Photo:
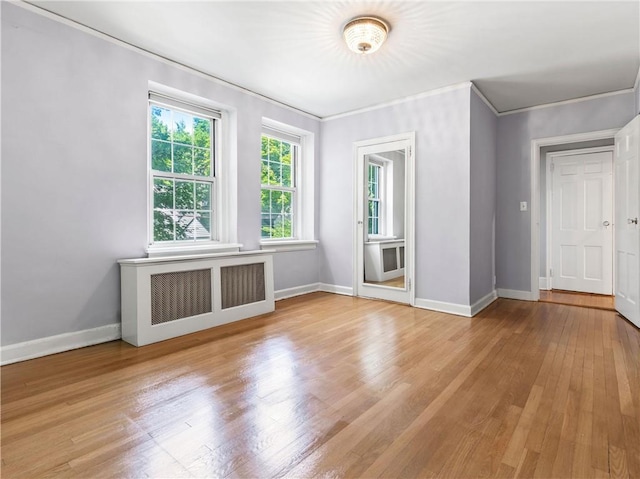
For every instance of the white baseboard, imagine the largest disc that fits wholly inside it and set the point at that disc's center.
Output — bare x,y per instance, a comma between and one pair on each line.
332,288
483,302
516,294
312,288
14,353
542,283
451,308
296,291
458,309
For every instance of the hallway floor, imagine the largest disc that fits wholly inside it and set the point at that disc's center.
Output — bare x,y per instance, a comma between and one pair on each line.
574,298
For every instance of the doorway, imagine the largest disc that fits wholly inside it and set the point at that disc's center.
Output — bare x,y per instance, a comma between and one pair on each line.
384,218
539,148
579,217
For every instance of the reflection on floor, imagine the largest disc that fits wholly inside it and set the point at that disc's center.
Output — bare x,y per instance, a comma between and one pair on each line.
394,283
574,298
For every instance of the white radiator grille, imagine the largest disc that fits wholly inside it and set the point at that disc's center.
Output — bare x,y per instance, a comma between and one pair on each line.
242,284
179,295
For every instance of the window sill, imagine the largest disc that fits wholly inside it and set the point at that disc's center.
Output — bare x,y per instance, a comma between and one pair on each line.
155,251
376,238
281,246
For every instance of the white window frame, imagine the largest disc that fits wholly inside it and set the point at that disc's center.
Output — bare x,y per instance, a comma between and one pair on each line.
295,182
377,199
385,197
224,166
303,204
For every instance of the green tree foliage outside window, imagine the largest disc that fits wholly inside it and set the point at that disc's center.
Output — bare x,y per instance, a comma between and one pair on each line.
278,187
181,163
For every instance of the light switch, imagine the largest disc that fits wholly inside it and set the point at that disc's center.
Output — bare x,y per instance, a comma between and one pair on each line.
523,206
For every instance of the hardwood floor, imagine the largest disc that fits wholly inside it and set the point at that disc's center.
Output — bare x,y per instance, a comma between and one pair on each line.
588,300
335,386
394,283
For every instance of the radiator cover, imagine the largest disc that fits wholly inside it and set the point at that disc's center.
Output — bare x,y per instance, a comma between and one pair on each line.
167,297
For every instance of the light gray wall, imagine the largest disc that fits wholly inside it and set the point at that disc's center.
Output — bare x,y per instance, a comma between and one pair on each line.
515,132
543,185
637,92
441,123
484,127
74,195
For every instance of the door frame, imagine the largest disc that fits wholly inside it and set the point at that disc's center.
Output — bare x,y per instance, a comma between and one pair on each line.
536,145
358,246
549,213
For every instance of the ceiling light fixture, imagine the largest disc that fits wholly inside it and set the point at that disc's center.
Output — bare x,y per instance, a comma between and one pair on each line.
365,34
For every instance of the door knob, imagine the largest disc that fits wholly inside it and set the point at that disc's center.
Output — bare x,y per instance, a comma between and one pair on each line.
605,223
632,221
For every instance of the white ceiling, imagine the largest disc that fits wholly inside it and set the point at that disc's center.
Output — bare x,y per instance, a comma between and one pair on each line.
519,54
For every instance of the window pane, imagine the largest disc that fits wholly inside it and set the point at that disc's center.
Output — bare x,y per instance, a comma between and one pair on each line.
203,196
162,193
160,155
265,148
184,195
182,128
274,150
189,225
162,225
275,175
265,196
266,226
184,225
286,176
202,162
269,175
282,226
182,159
283,199
204,228
276,226
286,153
202,132
160,123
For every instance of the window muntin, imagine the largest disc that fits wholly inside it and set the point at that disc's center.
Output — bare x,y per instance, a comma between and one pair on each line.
279,158
374,200
182,164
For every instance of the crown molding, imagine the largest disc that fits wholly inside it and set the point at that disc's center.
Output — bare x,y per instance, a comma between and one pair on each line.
437,91
484,99
567,102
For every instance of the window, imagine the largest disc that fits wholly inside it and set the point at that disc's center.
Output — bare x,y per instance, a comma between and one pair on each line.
381,197
183,171
287,191
374,220
279,195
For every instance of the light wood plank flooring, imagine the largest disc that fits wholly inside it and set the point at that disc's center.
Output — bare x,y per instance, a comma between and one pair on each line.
394,283
334,386
588,300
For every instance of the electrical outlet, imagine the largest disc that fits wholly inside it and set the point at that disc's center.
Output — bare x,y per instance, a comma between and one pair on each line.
523,206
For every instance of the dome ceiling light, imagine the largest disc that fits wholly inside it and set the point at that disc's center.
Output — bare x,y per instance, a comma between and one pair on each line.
365,34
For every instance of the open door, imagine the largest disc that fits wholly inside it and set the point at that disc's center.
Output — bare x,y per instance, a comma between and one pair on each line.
627,230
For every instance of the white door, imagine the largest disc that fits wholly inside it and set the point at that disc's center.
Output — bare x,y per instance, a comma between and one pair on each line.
627,254
581,227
